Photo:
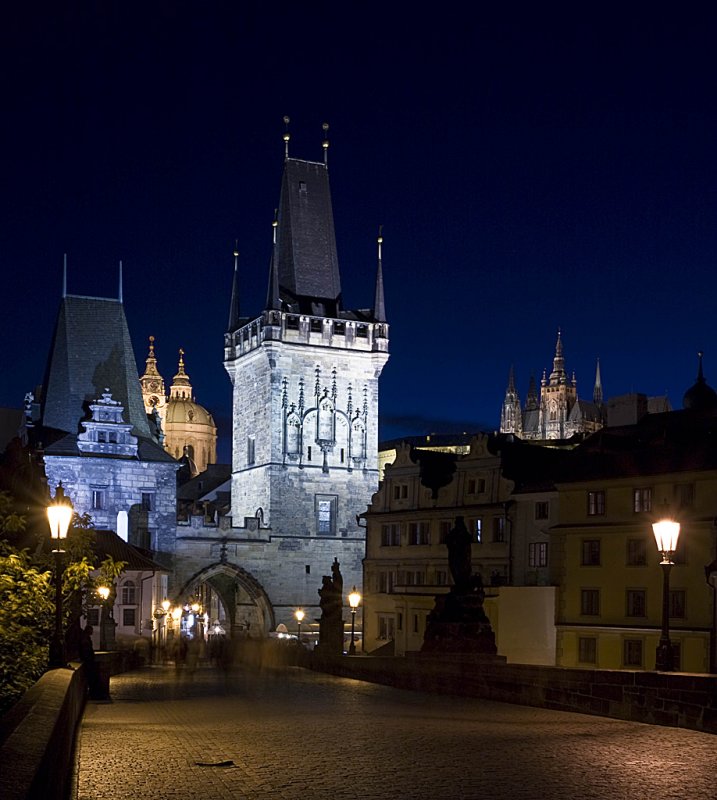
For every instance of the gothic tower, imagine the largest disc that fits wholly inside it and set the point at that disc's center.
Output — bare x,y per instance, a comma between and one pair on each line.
511,417
557,397
305,390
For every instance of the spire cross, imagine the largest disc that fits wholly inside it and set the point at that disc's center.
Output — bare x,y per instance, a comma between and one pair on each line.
287,137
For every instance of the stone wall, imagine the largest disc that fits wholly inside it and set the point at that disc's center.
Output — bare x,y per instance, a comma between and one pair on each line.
676,699
37,737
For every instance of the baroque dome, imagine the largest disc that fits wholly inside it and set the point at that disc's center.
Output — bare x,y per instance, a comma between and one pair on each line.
184,411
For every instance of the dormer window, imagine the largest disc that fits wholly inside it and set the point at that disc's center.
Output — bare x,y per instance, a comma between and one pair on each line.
302,189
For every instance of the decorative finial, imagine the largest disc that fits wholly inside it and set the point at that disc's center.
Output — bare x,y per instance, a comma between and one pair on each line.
275,225
325,143
236,250
380,240
181,359
151,346
287,136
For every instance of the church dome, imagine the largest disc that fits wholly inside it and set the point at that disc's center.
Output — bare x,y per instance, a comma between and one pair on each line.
185,411
700,397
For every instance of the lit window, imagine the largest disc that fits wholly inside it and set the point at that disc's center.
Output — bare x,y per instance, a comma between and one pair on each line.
325,515
498,529
641,500
538,554
596,503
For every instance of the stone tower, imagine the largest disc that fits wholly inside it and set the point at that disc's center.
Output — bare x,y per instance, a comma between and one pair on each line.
305,392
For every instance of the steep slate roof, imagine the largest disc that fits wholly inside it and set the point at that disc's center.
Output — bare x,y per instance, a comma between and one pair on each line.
108,543
91,350
308,265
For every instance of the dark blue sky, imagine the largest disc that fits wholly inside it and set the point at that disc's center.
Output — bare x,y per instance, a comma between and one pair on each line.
532,170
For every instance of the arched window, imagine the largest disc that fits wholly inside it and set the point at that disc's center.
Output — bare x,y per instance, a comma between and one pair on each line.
129,593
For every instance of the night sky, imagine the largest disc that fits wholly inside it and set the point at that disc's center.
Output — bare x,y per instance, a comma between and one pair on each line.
532,170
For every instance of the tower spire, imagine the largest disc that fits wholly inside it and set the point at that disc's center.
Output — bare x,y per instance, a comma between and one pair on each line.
287,137
558,373
273,300
325,143
64,276
379,304
119,297
234,312
597,391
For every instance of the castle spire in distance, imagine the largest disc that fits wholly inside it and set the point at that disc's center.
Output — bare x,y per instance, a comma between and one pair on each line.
379,303
597,391
234,312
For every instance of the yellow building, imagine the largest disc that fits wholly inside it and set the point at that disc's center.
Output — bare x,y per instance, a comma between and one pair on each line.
416,505
187,429
604,556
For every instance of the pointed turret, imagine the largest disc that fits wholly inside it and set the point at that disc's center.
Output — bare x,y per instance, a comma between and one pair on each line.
597,391
273,297
511,418
379,304
234,313
531,401
700,397
181,388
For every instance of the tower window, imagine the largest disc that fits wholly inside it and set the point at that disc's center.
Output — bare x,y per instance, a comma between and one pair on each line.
250,450
325,506
99,499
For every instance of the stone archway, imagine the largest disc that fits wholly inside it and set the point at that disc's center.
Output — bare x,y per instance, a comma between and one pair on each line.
244,599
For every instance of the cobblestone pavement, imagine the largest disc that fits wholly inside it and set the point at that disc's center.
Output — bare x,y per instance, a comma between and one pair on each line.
299,735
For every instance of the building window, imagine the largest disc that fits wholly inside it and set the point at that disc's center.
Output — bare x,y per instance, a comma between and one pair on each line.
251,450
680,555
542,510
685,495
636,603
386,626
590,602
129,617
498,529
326,515
587,650
632,653
441,577
415,623
390,535
143,538
399,621
386,580
400,491
596,503
93,617
147,501
101,437
636,552
418,533
590,553
444,528
677,656
475,485
677,603
99,499
129,593
641,500
538,554
476,529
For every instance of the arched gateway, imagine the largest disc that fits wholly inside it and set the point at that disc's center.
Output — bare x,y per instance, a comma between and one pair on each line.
232,596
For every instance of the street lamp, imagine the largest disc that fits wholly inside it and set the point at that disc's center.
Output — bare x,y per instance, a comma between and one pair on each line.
299,614
667,532
59,515
107,639
354,600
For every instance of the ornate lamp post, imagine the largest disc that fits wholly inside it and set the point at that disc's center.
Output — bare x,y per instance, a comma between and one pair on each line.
667,532
59,515
354,600
299,614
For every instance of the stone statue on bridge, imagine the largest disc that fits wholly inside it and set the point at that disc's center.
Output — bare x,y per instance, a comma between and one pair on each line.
331,622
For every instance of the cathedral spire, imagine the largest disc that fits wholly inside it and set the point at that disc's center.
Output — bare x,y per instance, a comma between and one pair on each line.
531,401
379,304
120,282
558,374
511,416
64,276
234,312
597,391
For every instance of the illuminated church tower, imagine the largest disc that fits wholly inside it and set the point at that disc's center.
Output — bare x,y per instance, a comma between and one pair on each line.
305,394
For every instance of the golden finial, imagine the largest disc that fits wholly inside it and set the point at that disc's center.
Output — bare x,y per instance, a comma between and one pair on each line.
151,346
287,136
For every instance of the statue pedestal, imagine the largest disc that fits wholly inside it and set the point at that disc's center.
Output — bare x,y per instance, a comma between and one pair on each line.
458,624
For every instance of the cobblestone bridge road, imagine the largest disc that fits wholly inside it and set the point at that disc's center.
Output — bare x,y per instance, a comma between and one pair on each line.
300,735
